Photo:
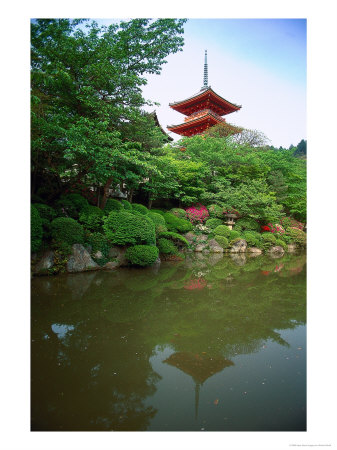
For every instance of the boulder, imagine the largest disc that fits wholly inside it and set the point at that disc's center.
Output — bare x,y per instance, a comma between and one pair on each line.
239,246
201,237
111,265
214,247
276,251
254,251
98,255
46,262
118,253
80,260
200,247
190,236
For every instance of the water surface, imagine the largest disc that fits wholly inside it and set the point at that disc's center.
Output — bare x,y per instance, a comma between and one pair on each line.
212,343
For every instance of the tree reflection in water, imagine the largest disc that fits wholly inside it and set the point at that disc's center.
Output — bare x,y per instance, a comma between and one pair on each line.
93,334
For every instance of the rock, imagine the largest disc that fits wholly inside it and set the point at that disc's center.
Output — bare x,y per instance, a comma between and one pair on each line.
111,265
80,260
200,247
98,255
276,252
118,253
254,251
46,262
214,247
190,236
292,248
201,237
239,246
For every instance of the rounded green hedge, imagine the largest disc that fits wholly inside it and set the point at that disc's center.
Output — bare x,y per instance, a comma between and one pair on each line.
175,237
158,211
247,223
222,241
179,212
46,212
140,208
213,223
142,255
282,244
297,236
233,235
36,230
126,228
66,229
215,211
252,238
222,230
166,247
176,224
127,205
92,218
112,205
156,218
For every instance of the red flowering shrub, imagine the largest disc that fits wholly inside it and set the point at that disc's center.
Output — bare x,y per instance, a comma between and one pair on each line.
275,229
197,214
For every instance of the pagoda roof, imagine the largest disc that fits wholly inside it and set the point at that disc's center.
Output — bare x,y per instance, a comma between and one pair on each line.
206,97
196,125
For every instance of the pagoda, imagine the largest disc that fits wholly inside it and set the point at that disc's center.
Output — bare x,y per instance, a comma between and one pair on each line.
203,110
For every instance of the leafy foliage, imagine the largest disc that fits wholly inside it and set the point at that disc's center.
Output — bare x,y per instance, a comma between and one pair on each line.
175,224
112,205
92,218
66,229
213,223
142,255
222,230
124,228
36,230
140,208
222,241
166,247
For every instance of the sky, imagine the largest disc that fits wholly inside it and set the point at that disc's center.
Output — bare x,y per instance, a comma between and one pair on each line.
259,64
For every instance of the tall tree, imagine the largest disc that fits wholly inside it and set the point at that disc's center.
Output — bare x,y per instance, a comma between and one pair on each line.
86,83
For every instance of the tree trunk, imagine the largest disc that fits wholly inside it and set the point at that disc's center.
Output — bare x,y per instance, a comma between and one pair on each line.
130,195
106,192
149,205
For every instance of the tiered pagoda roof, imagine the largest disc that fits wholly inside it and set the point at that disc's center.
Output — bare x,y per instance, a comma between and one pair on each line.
203,109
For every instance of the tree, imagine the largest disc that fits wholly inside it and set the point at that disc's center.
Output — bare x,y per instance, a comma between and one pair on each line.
86,86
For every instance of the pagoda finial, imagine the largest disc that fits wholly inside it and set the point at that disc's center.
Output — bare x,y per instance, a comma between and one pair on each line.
205,86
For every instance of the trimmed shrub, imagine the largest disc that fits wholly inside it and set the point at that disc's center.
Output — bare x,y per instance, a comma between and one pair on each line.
66,229
142,255
123,228
166,247
222,241
247,223
179,212
297,236
177,238
36,230
268,240
282,244
92,218
222,230
213,223
156,218
175,224
112,205
127,205
79,201
140,208
158,211
99,242
47,213
233,234
215,211
252,238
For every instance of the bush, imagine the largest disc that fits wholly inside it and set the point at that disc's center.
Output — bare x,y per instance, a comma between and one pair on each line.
215,211
158,211
66,229
142,255
247,223
92,218
79,201
177,238
213,223
175,224
233,234
112,205
222,241
282,244
197,214
297,236
47,213
36,230
140,208
125,228
127,205
159,222
99,242
222,230
268,240
252,238
179,212
166,247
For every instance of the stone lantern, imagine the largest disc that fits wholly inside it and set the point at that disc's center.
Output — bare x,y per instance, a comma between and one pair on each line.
230,220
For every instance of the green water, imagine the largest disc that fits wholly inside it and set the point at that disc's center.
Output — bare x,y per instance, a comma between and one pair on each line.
211,344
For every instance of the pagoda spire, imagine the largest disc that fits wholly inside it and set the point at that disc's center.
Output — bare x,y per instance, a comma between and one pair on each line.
205,86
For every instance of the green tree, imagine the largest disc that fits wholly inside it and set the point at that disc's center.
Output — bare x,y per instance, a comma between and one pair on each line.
86,84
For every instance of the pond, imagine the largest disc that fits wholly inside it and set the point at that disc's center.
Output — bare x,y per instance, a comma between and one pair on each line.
212,343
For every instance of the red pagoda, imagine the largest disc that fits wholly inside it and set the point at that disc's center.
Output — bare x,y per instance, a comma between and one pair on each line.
203,110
